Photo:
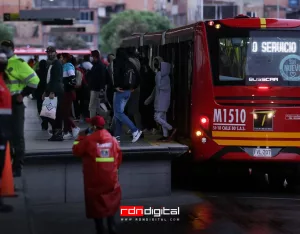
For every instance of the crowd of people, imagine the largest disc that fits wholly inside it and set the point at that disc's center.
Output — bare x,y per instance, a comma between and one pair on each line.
125,90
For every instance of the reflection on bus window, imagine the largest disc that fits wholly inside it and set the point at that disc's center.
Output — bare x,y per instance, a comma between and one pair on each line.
232,58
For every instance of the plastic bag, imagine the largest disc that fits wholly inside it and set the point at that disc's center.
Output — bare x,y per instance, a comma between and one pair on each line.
49,108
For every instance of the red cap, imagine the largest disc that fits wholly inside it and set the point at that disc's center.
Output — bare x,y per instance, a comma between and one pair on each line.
97,121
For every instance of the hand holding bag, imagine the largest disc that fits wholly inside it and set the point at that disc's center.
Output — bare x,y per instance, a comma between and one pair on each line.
49,108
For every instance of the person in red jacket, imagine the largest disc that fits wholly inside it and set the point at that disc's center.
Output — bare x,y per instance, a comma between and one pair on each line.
5,122
101,157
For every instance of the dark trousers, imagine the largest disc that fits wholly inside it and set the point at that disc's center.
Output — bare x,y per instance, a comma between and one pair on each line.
67,102
111,224
78,104
2,154
147,114
18,142
3,143
57,122
39,104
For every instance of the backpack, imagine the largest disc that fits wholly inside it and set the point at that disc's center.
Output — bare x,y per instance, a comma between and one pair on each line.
131,76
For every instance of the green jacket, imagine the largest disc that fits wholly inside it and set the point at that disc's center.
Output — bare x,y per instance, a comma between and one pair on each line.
20,75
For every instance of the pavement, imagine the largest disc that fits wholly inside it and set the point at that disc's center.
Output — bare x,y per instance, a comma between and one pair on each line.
204,213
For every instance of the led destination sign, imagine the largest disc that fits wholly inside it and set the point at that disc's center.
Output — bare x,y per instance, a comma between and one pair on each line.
274,47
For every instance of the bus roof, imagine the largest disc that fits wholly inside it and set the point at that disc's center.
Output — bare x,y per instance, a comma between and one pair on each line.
132,41
154,38
38,51
242,21
186,33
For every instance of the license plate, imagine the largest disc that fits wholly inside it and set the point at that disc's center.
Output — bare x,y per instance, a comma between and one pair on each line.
266,153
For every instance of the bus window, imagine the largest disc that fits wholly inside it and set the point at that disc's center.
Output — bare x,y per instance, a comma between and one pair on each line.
254,57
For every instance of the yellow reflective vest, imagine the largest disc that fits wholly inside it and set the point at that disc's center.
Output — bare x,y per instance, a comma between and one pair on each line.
20,75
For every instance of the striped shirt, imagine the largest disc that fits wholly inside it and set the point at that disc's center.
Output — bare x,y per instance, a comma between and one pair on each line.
69,70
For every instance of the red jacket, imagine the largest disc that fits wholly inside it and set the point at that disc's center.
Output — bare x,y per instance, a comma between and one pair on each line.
5,110
101,157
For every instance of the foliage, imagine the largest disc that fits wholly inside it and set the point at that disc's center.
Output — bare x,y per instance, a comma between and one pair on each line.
128,22
70,41
6,33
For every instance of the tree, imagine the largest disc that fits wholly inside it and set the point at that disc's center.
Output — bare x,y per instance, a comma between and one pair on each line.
70,41
6,33
128,22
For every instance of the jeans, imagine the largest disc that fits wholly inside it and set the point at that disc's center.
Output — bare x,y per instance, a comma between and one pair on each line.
120,101
161,118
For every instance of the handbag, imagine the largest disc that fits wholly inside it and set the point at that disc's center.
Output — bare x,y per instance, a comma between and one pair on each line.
49,108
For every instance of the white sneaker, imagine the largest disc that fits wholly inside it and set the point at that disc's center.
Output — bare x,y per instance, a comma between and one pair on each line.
136,135
68,136
50,132
75,132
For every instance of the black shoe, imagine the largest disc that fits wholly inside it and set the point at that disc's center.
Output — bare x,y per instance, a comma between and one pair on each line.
6,208
163,139
56,138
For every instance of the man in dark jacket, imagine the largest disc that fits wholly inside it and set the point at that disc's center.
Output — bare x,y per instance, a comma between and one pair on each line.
55,89
97,78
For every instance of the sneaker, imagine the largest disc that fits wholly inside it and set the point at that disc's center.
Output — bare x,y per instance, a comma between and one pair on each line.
68,136
118,139
136,136
56,138
50,132
75,132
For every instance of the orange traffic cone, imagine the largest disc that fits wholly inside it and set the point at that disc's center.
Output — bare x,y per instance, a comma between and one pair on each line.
7,180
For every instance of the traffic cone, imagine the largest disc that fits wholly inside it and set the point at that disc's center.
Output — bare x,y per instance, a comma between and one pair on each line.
7,180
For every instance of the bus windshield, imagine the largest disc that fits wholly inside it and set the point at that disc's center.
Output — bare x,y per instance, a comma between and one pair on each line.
256,57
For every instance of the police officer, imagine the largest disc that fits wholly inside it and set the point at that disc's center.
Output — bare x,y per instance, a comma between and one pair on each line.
22,81
5,122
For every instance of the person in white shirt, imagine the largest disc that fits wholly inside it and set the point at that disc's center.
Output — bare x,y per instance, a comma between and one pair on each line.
87,65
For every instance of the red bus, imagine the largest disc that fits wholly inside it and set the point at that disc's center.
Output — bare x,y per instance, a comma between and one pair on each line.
235,90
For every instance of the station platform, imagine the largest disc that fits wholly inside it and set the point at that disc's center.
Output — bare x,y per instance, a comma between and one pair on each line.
37,143
145,170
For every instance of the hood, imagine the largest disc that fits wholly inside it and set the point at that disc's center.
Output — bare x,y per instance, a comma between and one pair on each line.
165,68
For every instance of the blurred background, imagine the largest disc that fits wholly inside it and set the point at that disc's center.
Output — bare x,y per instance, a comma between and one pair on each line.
94,27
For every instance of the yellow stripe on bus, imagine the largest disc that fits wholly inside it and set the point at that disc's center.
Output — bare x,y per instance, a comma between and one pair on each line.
263,23
256,134
258,143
